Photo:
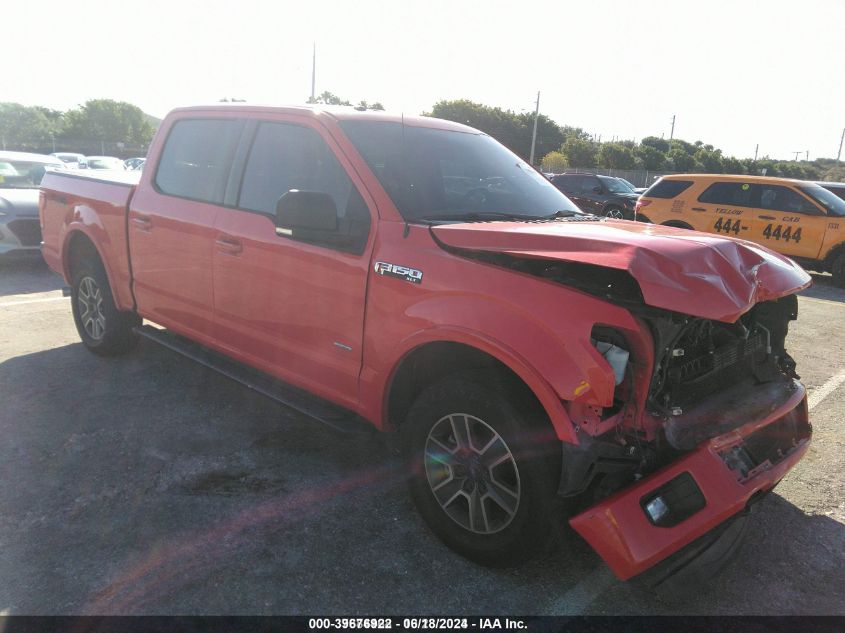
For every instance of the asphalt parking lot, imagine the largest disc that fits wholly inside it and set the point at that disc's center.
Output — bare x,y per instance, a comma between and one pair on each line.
150,485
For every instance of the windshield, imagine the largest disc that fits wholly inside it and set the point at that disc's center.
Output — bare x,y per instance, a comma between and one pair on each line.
832,203
440,174
23,174
614,185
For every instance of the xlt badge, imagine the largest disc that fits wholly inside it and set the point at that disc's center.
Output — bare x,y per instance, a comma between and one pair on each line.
402,272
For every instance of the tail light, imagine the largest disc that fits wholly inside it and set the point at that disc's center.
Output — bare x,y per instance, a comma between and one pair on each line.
640,204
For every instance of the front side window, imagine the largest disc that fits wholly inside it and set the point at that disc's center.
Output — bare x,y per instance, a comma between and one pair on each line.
732,194
197,157
615,185
433,174
835,205
589,184
285,157
776,198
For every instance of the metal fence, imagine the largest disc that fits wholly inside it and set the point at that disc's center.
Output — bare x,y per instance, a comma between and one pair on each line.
637,177
88,147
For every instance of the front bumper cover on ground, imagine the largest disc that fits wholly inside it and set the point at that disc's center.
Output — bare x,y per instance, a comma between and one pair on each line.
619,529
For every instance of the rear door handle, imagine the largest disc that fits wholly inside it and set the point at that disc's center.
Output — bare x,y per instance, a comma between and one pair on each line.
142,222
699,209
229,244
766,217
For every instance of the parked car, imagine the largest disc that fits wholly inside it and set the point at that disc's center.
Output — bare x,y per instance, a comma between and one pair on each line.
537,364
836,187
71,160
134,163
796,218
630,185
601,195
20,176
104,162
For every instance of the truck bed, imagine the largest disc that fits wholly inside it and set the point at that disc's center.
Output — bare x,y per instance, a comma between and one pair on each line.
96,204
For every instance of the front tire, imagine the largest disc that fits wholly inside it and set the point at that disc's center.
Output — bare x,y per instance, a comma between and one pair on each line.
103,328
483,471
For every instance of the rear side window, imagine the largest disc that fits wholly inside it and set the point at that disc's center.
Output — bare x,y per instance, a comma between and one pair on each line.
197,157
736,194
667,188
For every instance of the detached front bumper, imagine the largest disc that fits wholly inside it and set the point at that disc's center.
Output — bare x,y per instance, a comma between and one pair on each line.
703,489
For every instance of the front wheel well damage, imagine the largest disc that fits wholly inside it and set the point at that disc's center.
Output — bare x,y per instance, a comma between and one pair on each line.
432,362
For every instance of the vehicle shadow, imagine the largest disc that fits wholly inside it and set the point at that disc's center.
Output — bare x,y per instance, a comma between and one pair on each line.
27,276
823,288
151,485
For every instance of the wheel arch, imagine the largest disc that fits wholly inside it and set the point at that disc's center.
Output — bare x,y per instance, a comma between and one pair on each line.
423,365
80,245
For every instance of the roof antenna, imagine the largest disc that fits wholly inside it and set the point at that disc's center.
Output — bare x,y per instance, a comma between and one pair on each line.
403,172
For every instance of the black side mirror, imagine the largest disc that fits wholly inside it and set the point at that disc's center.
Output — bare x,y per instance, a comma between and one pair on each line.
597,189
305,212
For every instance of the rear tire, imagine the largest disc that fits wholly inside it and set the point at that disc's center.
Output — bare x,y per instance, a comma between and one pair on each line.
483,471
103,328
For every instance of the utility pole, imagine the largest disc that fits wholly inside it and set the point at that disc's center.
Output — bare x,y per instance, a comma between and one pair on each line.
837,155
797,154
807,154
313,72
756,149
672,133
534,133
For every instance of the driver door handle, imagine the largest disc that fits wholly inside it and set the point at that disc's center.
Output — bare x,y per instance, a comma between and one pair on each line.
142,222
229,244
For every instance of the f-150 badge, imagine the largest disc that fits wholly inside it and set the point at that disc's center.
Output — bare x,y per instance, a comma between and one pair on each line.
402,272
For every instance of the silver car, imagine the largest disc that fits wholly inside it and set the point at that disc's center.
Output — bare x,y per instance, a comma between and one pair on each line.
20,176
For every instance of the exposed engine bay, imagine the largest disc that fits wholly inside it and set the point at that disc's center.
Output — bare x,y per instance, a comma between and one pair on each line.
709,377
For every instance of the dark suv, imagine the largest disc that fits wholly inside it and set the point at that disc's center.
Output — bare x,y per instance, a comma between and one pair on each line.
601,195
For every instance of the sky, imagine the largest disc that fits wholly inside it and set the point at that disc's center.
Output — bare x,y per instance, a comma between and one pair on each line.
734,74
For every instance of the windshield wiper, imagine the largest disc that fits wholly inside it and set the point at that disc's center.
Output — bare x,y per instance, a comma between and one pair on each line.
478,216
563,214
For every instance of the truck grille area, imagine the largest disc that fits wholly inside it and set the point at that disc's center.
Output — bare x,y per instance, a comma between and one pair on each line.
768,446
28,232
699,358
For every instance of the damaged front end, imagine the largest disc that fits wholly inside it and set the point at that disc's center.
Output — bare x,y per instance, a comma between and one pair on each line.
704,413
723,420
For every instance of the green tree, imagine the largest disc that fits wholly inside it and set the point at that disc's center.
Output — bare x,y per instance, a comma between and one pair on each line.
554,162
651,157
579,152
710,159
108,121
731,165
329,98
616,156
680,160
661,145
28,128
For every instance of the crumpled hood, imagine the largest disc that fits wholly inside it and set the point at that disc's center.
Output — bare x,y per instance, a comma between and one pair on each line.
22,202
685,271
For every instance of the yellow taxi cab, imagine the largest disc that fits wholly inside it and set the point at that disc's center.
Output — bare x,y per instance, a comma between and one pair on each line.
796,218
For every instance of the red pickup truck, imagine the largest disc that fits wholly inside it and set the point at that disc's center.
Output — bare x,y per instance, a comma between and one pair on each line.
538,364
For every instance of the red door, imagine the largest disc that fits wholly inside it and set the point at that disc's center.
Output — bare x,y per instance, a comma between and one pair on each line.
293,308
171,225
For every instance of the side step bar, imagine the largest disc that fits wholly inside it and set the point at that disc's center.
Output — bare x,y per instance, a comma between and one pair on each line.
330,414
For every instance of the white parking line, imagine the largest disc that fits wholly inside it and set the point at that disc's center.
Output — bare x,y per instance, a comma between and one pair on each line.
820,393
26,301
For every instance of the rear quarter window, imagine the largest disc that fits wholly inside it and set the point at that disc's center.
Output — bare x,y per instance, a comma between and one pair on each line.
667,188
196,158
